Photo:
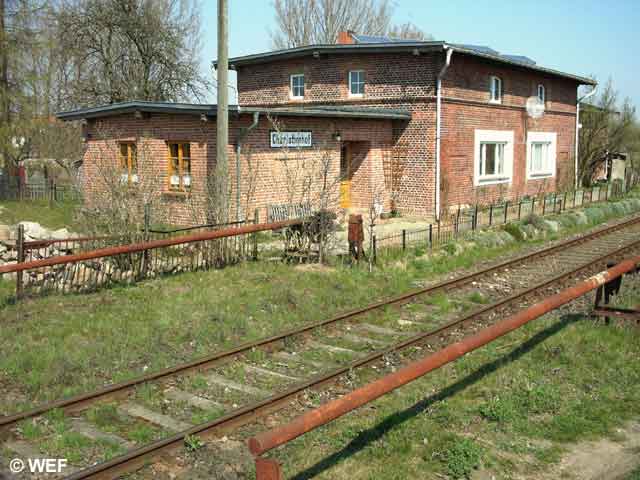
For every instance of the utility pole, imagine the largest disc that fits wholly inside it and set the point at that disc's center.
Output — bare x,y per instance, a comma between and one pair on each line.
4,65
222,120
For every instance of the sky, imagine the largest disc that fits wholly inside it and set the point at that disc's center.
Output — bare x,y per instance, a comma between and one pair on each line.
589,38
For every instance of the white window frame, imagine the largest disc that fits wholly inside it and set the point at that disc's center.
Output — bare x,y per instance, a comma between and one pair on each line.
291,88
493,136
541,93
551,139
361,82
493,80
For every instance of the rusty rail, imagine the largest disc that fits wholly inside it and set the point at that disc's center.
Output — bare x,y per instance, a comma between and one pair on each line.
143,246
269,469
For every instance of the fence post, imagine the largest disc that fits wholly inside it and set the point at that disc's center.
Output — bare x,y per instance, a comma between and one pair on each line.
506,210
490,214
519,210
256,220
51,193
475,218
374,244
564,201
20,259
404,239
431,236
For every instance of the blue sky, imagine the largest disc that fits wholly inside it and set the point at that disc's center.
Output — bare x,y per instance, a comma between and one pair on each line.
582,37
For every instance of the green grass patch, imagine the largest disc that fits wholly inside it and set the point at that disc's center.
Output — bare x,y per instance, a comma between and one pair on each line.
52,216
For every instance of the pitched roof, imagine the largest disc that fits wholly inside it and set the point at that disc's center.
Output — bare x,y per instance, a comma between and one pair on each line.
210,110
381,44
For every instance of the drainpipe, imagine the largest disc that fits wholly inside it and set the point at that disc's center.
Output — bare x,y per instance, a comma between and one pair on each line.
584,97
448,52
242,135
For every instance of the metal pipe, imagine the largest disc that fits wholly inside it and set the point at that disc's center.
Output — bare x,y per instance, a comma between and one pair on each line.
577,141
265,441
139,247
241,136
449,52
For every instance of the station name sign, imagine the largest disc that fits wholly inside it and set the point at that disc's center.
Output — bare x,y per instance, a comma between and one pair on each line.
290,139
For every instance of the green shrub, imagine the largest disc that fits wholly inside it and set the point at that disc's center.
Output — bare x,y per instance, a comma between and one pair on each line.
462,457
534,219
498,410
514,230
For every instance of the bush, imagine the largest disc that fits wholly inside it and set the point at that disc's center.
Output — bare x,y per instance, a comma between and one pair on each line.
462,457
514,230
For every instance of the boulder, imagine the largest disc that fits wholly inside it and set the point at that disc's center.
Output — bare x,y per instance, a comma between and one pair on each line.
35,231
581,218
551,226
5,233
60,234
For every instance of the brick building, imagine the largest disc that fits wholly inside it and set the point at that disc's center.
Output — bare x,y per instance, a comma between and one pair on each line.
424,126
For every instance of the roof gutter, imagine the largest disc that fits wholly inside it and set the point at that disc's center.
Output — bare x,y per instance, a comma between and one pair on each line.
448,53
578,126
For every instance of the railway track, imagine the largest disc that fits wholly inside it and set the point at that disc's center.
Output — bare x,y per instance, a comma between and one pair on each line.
221,392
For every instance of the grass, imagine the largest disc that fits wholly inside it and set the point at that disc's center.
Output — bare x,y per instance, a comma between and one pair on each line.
60,215
510,408
60,345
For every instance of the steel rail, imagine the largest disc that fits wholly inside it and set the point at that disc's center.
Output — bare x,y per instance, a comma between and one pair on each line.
137,457
79,400
151,245
312,419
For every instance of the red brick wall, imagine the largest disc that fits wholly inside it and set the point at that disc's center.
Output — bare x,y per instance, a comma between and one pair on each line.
398,80
407,81
466,108
268,175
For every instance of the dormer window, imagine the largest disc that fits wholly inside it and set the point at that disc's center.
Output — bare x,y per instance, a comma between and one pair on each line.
495,89
356,83
542,94
297,86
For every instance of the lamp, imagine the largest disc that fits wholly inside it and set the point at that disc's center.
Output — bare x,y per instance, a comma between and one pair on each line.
337,137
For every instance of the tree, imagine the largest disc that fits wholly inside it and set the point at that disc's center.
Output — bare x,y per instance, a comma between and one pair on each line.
605,129
408,31
118,50
307,22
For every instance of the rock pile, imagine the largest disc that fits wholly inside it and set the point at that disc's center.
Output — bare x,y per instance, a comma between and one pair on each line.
32,232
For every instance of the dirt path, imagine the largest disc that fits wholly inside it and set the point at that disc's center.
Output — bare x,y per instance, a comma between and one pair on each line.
602,459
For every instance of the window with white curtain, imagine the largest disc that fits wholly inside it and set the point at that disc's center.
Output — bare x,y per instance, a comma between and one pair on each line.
541,154
495,89
493,157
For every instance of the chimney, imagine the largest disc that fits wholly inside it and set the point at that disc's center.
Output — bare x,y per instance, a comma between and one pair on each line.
346,37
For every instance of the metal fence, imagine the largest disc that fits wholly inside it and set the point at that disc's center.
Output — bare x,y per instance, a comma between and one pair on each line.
464,222
29,192
86,269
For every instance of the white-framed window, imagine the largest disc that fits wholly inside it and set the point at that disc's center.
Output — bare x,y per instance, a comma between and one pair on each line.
297,85
541,154
495,89
493,157
356,83
542,93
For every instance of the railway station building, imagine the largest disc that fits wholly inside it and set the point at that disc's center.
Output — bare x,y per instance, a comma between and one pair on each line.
422,127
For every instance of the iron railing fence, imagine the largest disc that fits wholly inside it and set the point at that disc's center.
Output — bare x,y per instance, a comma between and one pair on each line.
30,192
85,270
465,221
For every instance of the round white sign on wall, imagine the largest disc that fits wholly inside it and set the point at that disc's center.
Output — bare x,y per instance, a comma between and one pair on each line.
535,107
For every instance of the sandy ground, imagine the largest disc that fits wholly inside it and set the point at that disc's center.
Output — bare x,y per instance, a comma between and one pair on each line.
603,459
